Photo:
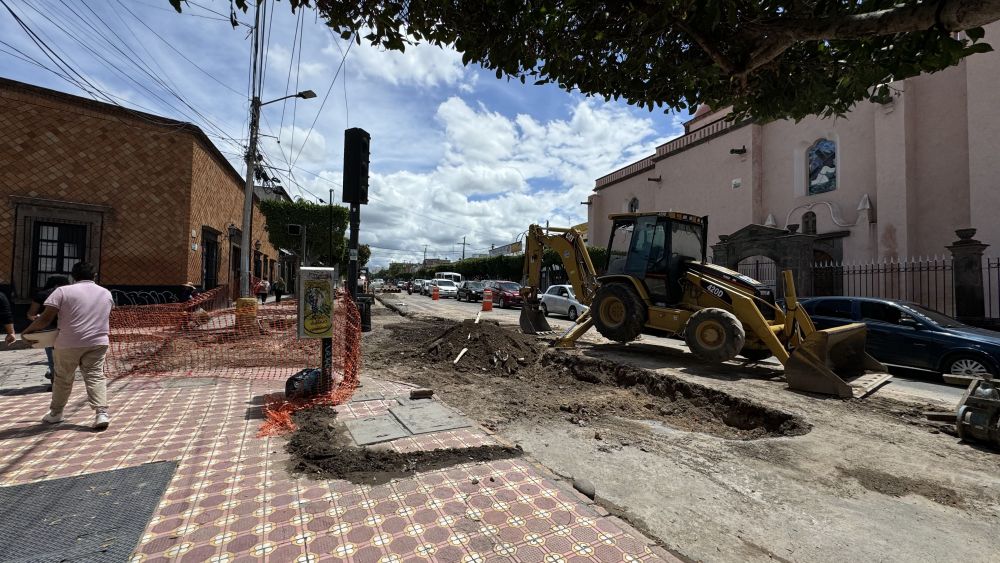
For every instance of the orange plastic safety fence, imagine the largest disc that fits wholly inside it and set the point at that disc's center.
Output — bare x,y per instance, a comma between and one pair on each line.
204,337
346,369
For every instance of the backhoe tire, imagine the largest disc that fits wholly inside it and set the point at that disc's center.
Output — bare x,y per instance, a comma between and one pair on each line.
755,354
715,335
618,312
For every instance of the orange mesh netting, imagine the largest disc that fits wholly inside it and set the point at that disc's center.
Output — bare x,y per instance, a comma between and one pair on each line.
204,337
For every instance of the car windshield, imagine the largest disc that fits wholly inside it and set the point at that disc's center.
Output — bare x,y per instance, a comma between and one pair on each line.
474,285
934,316
445,283
509,286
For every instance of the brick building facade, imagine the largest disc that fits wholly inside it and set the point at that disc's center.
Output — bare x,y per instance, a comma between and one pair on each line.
149,200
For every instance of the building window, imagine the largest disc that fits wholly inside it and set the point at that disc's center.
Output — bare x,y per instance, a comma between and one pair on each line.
822,161
809,223
633,205
57,248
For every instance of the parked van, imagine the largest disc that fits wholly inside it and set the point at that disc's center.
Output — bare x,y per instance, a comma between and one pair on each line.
457,278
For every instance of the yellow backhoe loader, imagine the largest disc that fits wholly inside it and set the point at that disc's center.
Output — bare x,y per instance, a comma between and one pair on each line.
657,280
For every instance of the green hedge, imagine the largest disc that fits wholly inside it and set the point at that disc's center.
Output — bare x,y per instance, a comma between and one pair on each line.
505,267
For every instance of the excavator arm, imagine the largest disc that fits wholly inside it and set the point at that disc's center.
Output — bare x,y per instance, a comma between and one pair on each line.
569,245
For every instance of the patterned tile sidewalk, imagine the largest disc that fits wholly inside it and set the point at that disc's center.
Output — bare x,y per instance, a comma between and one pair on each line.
231,498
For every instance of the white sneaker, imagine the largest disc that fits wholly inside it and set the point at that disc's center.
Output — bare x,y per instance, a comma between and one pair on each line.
52,418
101,421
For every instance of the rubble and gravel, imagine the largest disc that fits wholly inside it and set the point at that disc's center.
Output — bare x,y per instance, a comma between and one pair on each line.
824,480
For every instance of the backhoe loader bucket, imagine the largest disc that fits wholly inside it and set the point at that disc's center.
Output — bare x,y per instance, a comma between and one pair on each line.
532,320
827,359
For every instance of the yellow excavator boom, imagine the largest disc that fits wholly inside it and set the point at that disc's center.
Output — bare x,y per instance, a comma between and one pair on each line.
572,251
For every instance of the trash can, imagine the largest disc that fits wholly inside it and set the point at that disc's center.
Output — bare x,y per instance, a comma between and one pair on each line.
364,303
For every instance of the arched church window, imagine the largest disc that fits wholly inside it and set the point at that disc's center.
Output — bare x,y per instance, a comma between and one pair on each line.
822,166
809,223
633,205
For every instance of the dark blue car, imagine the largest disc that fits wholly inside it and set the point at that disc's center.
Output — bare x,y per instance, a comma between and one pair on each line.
907,334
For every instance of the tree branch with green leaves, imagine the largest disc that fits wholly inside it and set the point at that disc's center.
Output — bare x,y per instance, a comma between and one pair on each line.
767,59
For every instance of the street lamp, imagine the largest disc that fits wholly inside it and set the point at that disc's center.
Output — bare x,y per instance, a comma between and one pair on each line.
255,105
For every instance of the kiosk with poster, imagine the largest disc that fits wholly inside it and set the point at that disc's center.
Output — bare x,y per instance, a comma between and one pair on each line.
317,299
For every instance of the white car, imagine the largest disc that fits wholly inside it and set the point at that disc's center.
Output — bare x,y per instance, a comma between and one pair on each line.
561,300
446,288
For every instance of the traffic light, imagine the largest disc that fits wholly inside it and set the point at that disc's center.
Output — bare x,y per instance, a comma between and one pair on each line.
356,153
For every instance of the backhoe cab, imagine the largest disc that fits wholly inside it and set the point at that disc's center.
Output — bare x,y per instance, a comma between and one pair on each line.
657,279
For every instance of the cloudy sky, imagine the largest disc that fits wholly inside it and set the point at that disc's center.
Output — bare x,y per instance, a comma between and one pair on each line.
455,151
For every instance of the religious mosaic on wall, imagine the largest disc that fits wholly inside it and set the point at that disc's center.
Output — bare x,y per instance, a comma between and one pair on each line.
822,158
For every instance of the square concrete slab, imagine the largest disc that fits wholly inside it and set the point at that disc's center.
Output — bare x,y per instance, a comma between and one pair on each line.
367,396
406,401
375,429
430,416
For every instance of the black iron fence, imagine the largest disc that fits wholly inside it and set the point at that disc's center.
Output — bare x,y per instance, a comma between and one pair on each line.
991,287
928,282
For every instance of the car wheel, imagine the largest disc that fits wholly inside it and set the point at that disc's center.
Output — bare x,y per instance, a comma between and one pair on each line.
503,303
968,366
572,313
545,310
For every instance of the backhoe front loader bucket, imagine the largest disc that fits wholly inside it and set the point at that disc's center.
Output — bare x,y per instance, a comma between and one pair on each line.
532,320
827,358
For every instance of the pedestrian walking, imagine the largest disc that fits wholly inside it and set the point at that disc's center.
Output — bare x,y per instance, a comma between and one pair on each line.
84,311
36,307
263,288
279,289
7,320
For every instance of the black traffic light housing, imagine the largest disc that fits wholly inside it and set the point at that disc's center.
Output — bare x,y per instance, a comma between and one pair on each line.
356,153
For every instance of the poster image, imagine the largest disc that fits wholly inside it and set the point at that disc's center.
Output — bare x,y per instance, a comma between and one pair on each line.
316,304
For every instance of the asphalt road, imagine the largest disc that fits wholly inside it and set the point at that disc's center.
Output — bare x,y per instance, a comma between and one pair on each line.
913,384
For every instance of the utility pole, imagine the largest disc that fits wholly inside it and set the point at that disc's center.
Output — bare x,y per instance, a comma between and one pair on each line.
251,158
424,263
463,248
330,246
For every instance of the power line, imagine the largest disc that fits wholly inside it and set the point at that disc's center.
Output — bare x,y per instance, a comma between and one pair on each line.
143,68
174,49
327,95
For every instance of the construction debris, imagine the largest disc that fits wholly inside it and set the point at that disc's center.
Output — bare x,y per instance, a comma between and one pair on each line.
483,347
421,393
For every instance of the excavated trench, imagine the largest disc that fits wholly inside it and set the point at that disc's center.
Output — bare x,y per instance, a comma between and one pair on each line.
678,403
556,385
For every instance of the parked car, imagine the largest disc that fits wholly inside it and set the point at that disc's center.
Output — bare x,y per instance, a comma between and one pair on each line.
561,300
446,288
506,293
470,291
907,334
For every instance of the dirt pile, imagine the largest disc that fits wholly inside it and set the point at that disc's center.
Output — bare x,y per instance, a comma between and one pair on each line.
321,449
488,348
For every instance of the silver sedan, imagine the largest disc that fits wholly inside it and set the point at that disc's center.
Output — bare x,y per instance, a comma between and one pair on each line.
560,300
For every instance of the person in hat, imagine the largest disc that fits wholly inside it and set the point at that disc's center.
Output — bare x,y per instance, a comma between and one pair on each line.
188,291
